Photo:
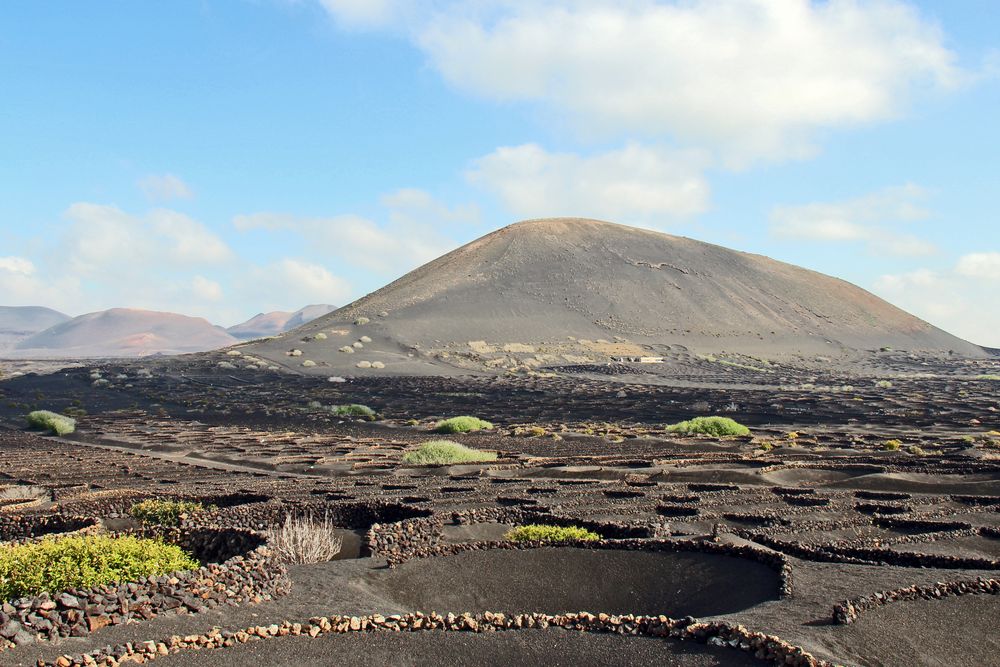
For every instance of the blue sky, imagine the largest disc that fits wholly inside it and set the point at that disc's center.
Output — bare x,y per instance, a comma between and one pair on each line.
231,157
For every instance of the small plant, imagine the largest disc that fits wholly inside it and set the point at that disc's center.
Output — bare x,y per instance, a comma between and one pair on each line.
352,410
545,533
462,425
765,446
52,422
320,336
305,540
918,451
308,363
347,349
361,321
444,452
155,512
717,426
989,376
892,445
57,564
883,384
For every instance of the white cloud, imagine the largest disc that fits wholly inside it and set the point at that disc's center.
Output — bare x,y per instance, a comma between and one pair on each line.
365,13
294,281
872,219
102,237
18,265
985,265
752,78
415,206
164,187
268,221
633,184
188,240
952,299
206,290
411,236
22,285
104,257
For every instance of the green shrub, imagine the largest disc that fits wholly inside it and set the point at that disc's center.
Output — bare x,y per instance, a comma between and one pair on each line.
52,422
544,533
989,376
445,452
56,564
717,426
164,512
352,410
892,445
462,425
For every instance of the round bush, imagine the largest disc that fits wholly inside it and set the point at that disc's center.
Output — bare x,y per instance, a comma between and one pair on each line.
462,425
52,422
544,533
53,565
717,426
164,512
352,410
441,452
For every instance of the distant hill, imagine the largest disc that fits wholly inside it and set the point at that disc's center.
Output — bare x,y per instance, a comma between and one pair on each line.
278,321
570,290
20,322
124,332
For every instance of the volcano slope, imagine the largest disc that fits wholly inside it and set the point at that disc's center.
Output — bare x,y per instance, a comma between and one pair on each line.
570,291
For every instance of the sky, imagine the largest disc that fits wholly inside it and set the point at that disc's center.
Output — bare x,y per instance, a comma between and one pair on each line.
222,158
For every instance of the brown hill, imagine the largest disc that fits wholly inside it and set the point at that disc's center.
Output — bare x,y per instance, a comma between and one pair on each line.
124,332
19,322
278,321
571,289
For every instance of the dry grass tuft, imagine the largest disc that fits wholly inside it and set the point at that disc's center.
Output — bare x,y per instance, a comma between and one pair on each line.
304,539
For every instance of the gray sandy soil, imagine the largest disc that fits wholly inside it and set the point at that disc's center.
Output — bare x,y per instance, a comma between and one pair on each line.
556,580
548,648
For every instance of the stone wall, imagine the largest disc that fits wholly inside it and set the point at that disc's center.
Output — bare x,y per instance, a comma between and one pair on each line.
20,527
715,633
832,553
849,610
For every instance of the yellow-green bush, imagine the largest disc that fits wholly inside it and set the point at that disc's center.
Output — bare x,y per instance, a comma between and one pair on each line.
717,426
56,564
52,422
352,410
462,425
543,533
164,512
439,452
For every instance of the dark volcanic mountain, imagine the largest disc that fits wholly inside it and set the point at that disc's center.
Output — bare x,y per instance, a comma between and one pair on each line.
124,332
19,322
570,290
